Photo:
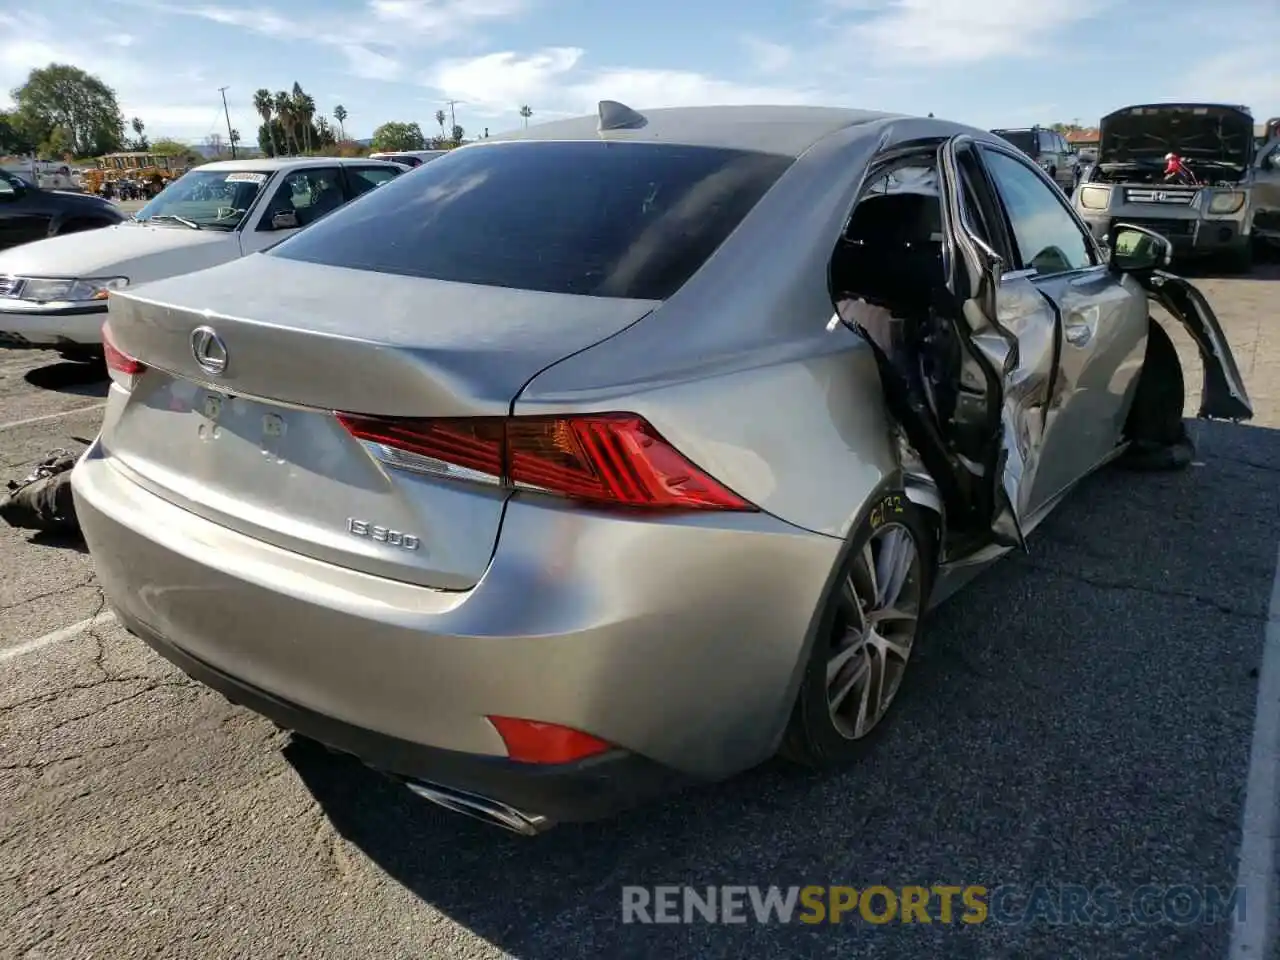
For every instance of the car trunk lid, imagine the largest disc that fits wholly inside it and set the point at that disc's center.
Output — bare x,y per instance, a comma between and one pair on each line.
255,446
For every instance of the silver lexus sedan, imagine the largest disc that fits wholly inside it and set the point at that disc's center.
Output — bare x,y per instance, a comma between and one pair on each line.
624,452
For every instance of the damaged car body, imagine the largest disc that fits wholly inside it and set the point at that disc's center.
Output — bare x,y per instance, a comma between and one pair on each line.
984,378
1231,206
690,416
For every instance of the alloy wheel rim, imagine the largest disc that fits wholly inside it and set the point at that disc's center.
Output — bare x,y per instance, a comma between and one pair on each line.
878,615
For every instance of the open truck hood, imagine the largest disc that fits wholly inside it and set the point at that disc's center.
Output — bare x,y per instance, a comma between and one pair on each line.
1199,131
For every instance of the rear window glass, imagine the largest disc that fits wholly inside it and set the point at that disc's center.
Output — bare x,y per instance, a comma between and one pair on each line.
630,220
1022,139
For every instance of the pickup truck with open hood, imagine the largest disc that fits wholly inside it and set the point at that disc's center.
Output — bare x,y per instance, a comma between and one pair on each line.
1233,203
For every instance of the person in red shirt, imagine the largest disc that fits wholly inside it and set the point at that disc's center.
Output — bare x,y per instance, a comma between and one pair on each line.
1176,169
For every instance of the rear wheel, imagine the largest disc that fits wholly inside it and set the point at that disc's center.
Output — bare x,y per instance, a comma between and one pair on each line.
866,637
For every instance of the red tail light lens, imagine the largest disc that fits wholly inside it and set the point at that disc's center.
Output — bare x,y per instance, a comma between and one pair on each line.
613,458
532,742
117,359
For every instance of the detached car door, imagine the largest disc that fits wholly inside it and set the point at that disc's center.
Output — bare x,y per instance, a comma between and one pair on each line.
1100,320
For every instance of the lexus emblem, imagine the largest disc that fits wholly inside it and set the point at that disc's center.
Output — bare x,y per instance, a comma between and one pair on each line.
209,350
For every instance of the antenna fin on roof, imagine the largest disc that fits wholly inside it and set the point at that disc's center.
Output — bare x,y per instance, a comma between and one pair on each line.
618,116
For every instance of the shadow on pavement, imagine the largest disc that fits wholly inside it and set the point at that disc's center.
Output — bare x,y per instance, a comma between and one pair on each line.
1084,717
82,379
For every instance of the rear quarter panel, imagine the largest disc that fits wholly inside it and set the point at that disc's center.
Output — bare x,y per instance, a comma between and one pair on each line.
739,369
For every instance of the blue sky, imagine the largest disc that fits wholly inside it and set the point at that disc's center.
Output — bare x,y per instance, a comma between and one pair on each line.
985,62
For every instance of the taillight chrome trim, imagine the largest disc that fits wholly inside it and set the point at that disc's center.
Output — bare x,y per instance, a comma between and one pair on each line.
427,466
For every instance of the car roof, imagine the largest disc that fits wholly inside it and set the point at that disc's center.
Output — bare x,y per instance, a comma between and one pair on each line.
1172,105
285,163
786,130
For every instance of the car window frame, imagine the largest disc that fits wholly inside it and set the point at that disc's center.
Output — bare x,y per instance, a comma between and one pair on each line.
1091,245
17,189
265,196
976,181
352,170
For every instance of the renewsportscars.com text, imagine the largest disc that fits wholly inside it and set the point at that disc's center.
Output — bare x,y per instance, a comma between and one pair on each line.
939,903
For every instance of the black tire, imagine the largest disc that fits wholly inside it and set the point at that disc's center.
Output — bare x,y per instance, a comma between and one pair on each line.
1241,260
1157,434
812,737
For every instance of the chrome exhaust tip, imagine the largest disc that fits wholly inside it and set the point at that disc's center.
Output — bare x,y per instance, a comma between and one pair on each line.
472,805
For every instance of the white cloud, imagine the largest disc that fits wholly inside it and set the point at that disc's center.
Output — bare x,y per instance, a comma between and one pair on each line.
958,32
554,82
767,56
374,46
28,42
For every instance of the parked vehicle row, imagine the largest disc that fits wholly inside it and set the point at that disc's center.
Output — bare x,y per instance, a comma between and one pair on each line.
622,452
29,212
1230,204
53,294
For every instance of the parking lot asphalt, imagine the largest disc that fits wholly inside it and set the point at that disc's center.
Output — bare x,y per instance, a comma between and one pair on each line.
1082,717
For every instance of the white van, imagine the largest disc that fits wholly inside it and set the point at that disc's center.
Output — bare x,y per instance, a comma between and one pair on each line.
53,292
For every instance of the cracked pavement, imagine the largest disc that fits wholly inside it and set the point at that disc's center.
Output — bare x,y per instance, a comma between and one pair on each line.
1082,715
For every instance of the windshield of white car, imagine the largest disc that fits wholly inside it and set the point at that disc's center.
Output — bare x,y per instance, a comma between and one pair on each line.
205,199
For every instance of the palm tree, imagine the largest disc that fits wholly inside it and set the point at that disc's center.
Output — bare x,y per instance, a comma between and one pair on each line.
440,120
266,106
307,112
300,117
284,113
340,114
526,113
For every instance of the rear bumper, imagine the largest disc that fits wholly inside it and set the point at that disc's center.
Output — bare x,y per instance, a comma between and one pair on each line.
63,329
588,790
679,642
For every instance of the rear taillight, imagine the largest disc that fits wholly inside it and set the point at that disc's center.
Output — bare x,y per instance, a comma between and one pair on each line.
611,458
122,367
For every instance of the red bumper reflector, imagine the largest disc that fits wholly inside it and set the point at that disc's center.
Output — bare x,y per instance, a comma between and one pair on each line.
530,741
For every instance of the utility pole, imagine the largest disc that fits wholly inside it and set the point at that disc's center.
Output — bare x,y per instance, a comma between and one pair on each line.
453,120
227,113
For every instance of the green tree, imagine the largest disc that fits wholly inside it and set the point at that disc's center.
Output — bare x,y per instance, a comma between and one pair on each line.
84,107
14,137
457,134
139,141
165,147
265,105
526,112
440,120
56,146
284,116
340,114
394,135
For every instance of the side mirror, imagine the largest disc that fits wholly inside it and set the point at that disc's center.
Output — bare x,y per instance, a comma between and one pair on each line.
285,220
1137,249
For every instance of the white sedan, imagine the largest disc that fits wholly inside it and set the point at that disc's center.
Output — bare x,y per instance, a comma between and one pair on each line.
53,292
